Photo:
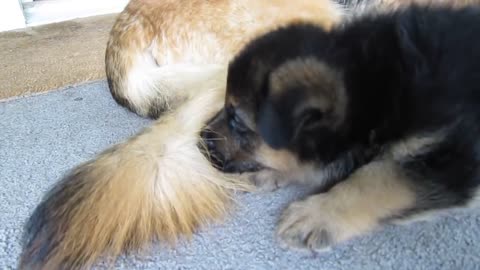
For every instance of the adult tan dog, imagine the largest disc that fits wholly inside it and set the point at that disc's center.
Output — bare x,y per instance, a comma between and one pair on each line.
164,58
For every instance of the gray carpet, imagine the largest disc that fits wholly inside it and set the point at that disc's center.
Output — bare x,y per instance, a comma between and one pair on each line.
43,136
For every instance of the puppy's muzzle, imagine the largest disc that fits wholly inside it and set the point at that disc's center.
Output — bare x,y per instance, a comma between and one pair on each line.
223,161
210,150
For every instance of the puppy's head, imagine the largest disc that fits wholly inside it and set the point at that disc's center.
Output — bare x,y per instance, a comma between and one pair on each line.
284,105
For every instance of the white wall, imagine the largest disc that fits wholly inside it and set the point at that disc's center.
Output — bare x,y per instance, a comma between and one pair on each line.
49,11
11,15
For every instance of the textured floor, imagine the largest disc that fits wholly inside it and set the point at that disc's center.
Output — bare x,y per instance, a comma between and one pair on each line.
44,135
45,57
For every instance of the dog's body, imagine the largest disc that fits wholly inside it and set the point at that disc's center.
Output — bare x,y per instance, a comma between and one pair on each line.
158,46
164,58
382,113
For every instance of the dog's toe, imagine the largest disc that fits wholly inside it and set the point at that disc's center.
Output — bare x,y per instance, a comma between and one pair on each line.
300,228
266,180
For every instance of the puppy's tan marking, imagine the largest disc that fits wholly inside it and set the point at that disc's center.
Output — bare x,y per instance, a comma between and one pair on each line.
283,168
267,180
376,191
414,145
281,160
323,84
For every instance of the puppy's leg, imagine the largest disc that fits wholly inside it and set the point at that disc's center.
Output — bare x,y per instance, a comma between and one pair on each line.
419,176
306,175
268,180
281,168
374,193
291,171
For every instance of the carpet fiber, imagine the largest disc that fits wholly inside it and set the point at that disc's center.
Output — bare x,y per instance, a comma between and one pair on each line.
43,136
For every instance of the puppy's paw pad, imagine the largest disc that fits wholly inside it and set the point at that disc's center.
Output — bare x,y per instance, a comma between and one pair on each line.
303,228
266,180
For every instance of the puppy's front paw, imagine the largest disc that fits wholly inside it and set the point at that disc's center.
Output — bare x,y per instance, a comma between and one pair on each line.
302,226
266,180
318,223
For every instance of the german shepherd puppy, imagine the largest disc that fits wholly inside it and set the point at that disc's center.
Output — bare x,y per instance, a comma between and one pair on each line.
382,114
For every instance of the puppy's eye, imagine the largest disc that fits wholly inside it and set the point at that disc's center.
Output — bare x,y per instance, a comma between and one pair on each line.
236,124
230,110
311,119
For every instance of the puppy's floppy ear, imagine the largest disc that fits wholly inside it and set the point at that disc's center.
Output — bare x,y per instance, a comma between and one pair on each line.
410,51
281,121
302,96
272,126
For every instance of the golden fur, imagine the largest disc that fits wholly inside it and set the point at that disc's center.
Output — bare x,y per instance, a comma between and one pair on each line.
156,45
156,185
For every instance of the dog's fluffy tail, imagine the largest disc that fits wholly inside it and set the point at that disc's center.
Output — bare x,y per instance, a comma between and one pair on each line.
156,185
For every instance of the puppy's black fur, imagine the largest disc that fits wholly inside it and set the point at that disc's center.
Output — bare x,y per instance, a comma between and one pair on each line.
400,90
407,73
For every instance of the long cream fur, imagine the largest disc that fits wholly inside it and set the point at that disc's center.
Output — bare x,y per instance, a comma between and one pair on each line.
156,185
